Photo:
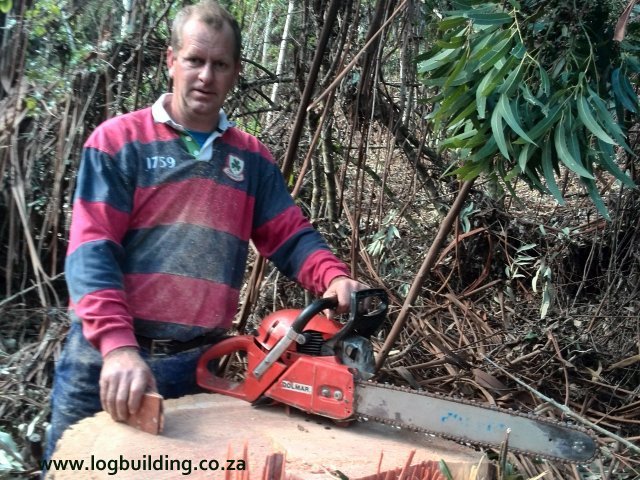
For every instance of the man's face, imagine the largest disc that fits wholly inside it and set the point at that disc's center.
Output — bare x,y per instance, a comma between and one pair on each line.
203,72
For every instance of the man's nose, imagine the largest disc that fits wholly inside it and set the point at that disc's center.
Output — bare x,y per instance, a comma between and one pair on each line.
206,73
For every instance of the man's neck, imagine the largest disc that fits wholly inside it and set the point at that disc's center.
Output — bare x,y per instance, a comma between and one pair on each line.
206,125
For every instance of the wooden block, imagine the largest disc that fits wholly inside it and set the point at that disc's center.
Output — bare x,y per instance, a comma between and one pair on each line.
150,416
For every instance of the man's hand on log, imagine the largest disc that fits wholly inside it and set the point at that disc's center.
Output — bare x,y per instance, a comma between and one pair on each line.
124,379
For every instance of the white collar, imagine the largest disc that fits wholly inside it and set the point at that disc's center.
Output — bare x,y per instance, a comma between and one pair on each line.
160,115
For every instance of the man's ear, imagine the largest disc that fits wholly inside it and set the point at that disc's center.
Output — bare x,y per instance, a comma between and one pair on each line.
170,61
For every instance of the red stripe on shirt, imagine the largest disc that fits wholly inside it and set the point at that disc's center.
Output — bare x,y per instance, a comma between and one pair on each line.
239,139
106,321
319,269
95,221
287,223
139,127
170,298
194,201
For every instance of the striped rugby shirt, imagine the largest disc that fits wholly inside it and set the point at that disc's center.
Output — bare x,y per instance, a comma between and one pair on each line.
161,227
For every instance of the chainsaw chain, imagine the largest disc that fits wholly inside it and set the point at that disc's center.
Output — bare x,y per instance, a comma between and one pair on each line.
465,440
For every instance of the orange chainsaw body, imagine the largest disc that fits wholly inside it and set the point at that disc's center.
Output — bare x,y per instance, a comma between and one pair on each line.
318,383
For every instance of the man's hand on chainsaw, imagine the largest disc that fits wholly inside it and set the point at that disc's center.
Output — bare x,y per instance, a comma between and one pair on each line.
341,288
124,379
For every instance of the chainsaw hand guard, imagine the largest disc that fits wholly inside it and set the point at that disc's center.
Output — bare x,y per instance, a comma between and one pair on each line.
250,389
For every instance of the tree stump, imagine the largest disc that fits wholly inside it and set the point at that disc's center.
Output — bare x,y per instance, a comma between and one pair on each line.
218,437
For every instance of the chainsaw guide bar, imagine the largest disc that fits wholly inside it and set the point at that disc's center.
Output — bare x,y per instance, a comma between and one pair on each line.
473,423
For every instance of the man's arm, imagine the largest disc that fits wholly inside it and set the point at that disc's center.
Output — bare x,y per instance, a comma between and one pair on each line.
282,234
100,218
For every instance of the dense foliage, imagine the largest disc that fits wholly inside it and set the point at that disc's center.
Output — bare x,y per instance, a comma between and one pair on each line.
526,86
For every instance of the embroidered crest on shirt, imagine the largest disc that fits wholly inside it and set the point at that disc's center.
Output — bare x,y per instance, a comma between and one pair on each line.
234,168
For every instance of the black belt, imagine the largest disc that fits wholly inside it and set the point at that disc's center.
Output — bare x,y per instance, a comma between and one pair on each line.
164,347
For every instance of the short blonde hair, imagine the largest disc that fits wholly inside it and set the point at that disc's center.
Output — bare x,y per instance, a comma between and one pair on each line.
211,13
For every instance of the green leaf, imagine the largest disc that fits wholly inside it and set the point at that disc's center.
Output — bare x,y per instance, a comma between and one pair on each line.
513,80
611,126
507,113
451,22
471,170
545,83
596,198
497,52
564,154
463,77
586,116
483,42
547,171
463,115
607,154
524,156
437,60
532,175
452,43
498,132
488,150
481,97
621,91
5,6
529,97
458,101
457,141
459,66
489,18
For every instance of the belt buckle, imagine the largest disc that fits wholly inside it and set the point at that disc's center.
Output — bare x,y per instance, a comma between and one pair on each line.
160,347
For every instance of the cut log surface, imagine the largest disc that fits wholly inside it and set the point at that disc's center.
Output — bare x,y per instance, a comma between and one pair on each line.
233,440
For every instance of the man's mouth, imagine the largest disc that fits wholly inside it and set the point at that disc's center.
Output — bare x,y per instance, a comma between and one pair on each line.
203,93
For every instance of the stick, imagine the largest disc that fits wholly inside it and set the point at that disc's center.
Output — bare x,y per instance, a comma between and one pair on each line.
32,287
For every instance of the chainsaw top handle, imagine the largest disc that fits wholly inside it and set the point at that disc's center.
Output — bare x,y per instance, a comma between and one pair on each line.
367,313
358,322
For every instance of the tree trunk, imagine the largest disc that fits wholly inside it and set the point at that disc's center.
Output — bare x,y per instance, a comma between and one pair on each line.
218,428
283,49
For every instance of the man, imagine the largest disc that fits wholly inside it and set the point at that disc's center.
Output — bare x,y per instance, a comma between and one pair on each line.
167,200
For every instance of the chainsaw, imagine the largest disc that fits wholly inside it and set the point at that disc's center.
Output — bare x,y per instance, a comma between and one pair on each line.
305,360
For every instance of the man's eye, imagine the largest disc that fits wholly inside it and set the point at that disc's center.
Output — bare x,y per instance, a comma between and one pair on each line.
193,61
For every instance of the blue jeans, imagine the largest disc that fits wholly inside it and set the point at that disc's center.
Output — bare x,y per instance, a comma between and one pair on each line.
76,390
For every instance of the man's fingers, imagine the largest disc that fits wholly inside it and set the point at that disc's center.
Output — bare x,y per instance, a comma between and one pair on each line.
121,399
104,395
136,392
124,379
